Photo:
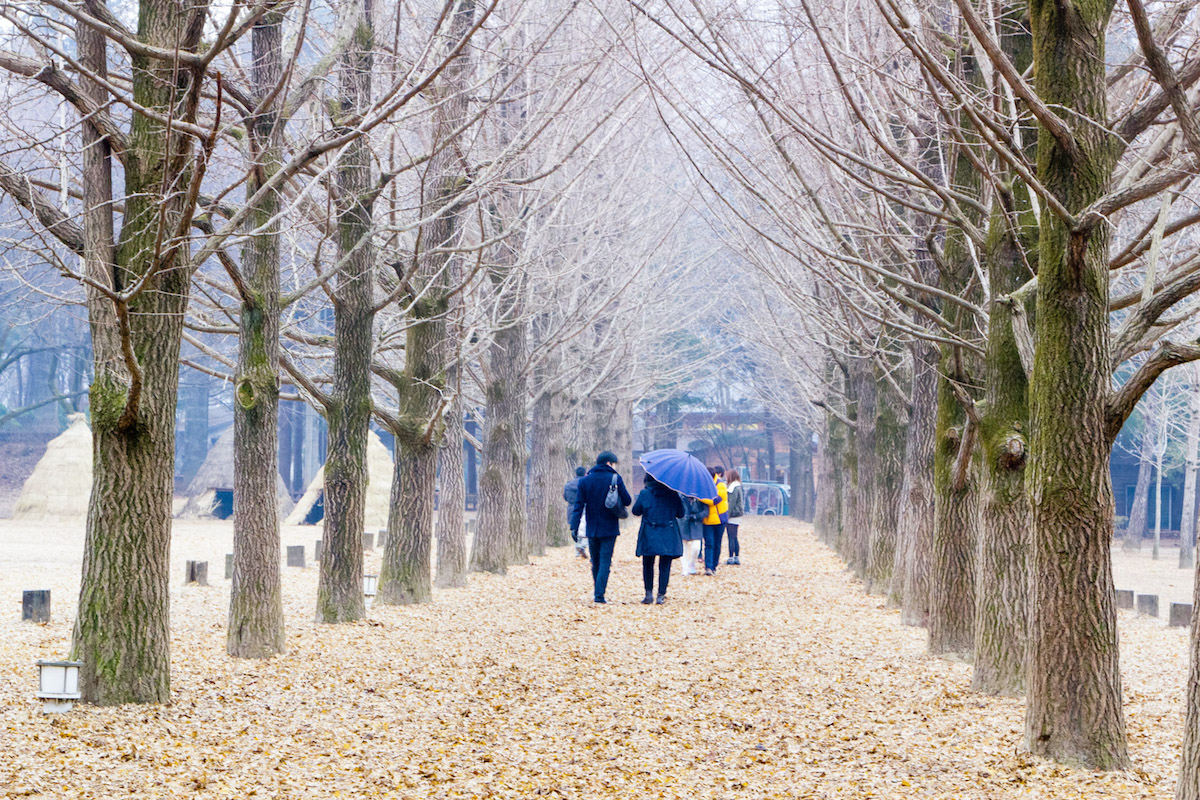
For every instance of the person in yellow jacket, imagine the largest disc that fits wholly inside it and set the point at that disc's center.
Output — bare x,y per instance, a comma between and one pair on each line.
714,523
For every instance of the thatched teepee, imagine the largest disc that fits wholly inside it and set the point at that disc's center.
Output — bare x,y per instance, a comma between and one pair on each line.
61,483
210,494
310,509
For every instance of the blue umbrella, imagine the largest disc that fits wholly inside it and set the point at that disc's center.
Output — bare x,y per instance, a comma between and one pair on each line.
680,471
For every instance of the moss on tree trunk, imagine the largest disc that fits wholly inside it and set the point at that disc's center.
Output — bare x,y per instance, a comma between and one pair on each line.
121,626
256,601
1073,711
348,409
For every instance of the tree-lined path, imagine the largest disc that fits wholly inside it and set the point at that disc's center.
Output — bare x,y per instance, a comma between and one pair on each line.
779,678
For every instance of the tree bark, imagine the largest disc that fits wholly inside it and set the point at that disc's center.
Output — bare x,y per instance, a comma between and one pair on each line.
1160,449
891,422
831,485
1139,516
256,601
800,473
1002,595
915,527
348,408
865,467
547,523
1187,526
1073,710
451,569
952,566
496,540
121,628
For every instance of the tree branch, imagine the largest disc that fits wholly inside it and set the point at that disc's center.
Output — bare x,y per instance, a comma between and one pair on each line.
1122,402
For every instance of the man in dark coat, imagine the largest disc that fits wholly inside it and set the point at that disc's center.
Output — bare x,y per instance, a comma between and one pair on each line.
570,494
603,526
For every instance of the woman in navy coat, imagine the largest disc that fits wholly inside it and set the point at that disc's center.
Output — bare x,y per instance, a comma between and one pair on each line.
658,535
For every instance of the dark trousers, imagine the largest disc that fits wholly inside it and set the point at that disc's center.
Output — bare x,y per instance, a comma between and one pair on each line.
602,552
712,545
664,573
734,549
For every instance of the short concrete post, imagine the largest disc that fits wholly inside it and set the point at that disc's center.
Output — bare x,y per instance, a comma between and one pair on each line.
368,541
1125,598
35,605
197,572
317,551
1181,615
1147,605
295,555
229,566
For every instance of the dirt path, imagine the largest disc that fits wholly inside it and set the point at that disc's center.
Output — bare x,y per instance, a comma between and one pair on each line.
778,678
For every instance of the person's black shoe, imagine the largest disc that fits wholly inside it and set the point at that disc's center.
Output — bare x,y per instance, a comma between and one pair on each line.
662,599
600,600
648,599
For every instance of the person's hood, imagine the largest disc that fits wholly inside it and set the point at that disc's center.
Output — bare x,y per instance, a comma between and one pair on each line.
734,485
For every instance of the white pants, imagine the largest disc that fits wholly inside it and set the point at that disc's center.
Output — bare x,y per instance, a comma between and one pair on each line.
691,551
581,546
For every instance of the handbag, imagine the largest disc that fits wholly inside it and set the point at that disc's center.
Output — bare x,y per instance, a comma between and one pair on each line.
613,501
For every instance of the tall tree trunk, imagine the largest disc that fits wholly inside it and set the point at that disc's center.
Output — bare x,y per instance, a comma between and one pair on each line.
862,378
1073,708
952,565
501,537
1139,512
915,527
348,409
451,569
955,482
255,600
1160,450
547,523
1001,606
831,485
1002,594
1187,525
121,628
407,566
891,422
503,450
800,474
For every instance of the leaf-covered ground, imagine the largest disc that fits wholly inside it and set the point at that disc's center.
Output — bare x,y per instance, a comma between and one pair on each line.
778,678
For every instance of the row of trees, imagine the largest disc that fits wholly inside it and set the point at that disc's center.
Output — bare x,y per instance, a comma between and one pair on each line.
415,215
973,237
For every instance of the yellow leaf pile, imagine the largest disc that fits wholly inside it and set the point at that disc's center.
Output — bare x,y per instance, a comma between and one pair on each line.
777,678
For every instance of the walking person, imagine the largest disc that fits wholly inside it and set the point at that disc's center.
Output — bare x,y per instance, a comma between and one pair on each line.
714,523
602,522
658,535
571,494
736,510
691,530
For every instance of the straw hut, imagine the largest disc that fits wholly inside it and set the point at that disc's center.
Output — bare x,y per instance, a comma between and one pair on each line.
61,483
310,509
210,494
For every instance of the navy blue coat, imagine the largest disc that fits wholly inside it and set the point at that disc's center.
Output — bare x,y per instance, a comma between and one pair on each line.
593,490
659,507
